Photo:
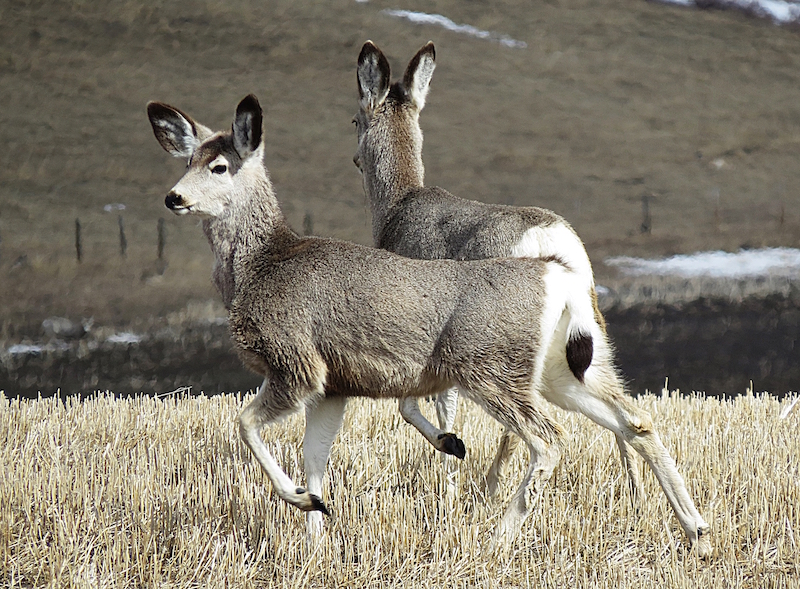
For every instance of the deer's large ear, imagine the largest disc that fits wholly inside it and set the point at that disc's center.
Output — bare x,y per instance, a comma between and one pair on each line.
417,79
247,126
373,77
177,133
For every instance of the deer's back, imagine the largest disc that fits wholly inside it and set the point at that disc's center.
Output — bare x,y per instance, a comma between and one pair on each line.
371,323
431,223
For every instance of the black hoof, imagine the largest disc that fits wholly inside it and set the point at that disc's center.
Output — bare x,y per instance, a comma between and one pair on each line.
318,505
452,445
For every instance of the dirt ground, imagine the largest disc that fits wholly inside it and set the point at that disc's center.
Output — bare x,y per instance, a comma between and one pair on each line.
609,102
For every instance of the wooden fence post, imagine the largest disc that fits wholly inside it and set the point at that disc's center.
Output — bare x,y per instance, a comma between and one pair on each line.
647,222
123,242
161,264
162,238
78,244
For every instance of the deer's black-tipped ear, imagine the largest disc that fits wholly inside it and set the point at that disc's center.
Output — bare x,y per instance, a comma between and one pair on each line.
177,133
247,126
373,77
417,79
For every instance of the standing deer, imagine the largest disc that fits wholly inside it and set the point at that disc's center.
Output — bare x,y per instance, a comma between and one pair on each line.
430,223
323,320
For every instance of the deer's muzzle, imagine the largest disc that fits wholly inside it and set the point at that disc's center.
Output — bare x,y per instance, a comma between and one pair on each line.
173,200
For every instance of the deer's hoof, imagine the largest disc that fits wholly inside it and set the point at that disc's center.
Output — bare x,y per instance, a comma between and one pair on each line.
702,546
318,505
451,444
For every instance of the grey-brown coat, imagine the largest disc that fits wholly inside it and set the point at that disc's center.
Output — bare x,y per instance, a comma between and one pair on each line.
430,223
322,319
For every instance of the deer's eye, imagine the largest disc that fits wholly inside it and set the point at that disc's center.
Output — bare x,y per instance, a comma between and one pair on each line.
219,169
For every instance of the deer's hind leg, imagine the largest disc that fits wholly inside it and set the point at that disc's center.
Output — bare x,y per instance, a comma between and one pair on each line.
544,457
526,416
631,468
602,399
508,443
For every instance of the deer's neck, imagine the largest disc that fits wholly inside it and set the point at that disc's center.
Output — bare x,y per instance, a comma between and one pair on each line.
392,166
253,224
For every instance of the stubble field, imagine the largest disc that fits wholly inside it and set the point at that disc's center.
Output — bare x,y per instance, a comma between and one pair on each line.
159,492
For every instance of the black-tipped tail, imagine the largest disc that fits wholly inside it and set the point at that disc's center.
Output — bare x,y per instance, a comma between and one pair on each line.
580,349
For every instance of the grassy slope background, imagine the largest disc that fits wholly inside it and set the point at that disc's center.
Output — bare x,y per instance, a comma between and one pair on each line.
697,110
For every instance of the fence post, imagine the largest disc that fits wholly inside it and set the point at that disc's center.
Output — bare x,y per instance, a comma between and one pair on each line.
78,244
123,242
647,222
308,224
161,264
715,194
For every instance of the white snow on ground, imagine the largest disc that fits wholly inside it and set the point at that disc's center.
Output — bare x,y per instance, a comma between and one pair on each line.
782,261
124,338
19,349
25,349
779,11
444,22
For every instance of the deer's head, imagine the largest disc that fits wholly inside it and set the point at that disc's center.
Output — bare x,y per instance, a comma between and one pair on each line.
384,108
221,167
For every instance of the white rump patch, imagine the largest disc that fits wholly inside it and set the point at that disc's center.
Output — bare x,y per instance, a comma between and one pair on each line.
556,240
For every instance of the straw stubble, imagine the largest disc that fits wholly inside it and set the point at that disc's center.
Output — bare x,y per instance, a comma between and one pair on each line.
148,491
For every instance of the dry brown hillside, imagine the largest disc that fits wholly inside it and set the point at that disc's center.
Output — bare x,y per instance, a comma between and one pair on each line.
609,102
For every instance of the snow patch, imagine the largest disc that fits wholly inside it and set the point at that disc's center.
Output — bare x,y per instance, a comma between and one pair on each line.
34,349
424,18
773,262
124,338
20,349
779,11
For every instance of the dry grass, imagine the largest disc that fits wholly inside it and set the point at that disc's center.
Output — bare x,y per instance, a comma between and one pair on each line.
160,492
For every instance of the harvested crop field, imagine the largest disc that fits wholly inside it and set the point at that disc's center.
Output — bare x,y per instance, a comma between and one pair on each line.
146,492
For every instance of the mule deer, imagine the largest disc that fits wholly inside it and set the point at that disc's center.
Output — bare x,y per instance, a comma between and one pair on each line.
323,320
430,223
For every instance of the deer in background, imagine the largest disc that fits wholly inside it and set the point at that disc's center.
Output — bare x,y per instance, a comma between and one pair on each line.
323,320
430,223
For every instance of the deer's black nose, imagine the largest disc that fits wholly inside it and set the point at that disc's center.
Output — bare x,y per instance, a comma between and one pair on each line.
173,200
